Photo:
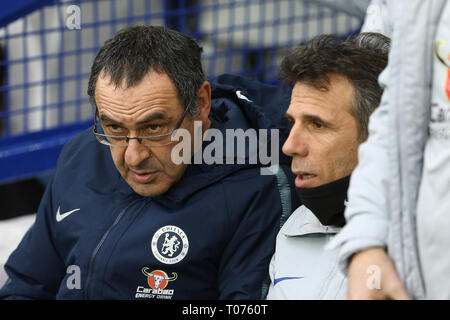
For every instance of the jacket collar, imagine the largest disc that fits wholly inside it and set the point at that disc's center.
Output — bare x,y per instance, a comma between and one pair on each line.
302,222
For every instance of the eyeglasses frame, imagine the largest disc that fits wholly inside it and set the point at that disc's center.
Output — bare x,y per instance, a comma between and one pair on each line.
139,138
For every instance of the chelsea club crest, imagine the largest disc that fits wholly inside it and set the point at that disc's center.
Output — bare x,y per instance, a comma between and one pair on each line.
170,244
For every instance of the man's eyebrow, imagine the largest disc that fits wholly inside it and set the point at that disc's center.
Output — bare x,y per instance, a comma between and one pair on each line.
153,116
315,118
288,116
309,117
104,117
312,117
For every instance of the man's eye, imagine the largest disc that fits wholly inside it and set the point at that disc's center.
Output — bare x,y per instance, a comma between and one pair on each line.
318,125
113,128
154,128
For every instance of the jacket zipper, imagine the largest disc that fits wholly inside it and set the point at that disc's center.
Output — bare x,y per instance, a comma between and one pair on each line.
99,245
323,291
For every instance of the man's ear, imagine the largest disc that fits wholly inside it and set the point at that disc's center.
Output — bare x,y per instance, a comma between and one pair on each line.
204,104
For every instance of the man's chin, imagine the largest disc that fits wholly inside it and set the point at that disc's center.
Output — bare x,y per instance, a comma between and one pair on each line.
154,184
149,190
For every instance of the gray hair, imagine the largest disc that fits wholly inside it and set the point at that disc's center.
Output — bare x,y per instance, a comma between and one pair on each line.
360,58
133,52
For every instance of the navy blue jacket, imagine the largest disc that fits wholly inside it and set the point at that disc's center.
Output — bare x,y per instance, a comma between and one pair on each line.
210,236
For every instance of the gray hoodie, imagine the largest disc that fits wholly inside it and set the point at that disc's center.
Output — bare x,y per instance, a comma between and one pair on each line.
384,188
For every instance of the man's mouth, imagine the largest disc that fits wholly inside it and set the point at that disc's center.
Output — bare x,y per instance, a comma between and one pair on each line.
144,177
304,179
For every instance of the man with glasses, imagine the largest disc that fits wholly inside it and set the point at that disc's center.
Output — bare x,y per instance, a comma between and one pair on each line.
121,219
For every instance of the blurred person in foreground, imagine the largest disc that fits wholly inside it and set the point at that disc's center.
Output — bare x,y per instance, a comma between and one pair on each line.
395,241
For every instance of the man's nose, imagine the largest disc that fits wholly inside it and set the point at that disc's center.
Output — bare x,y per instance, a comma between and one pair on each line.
295,144
136,152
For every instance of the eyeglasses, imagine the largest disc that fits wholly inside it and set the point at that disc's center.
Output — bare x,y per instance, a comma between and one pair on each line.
114,140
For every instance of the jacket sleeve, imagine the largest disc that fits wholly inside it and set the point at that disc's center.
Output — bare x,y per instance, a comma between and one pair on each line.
367,215
255,223
355,8
378,18
34,268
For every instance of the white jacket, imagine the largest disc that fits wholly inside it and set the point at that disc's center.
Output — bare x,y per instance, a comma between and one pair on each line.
301,269
384,187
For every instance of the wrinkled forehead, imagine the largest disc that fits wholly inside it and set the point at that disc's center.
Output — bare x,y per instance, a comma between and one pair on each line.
337,92
152,82
155,93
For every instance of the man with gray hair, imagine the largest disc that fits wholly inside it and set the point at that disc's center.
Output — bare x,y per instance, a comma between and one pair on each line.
120,219
335,90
